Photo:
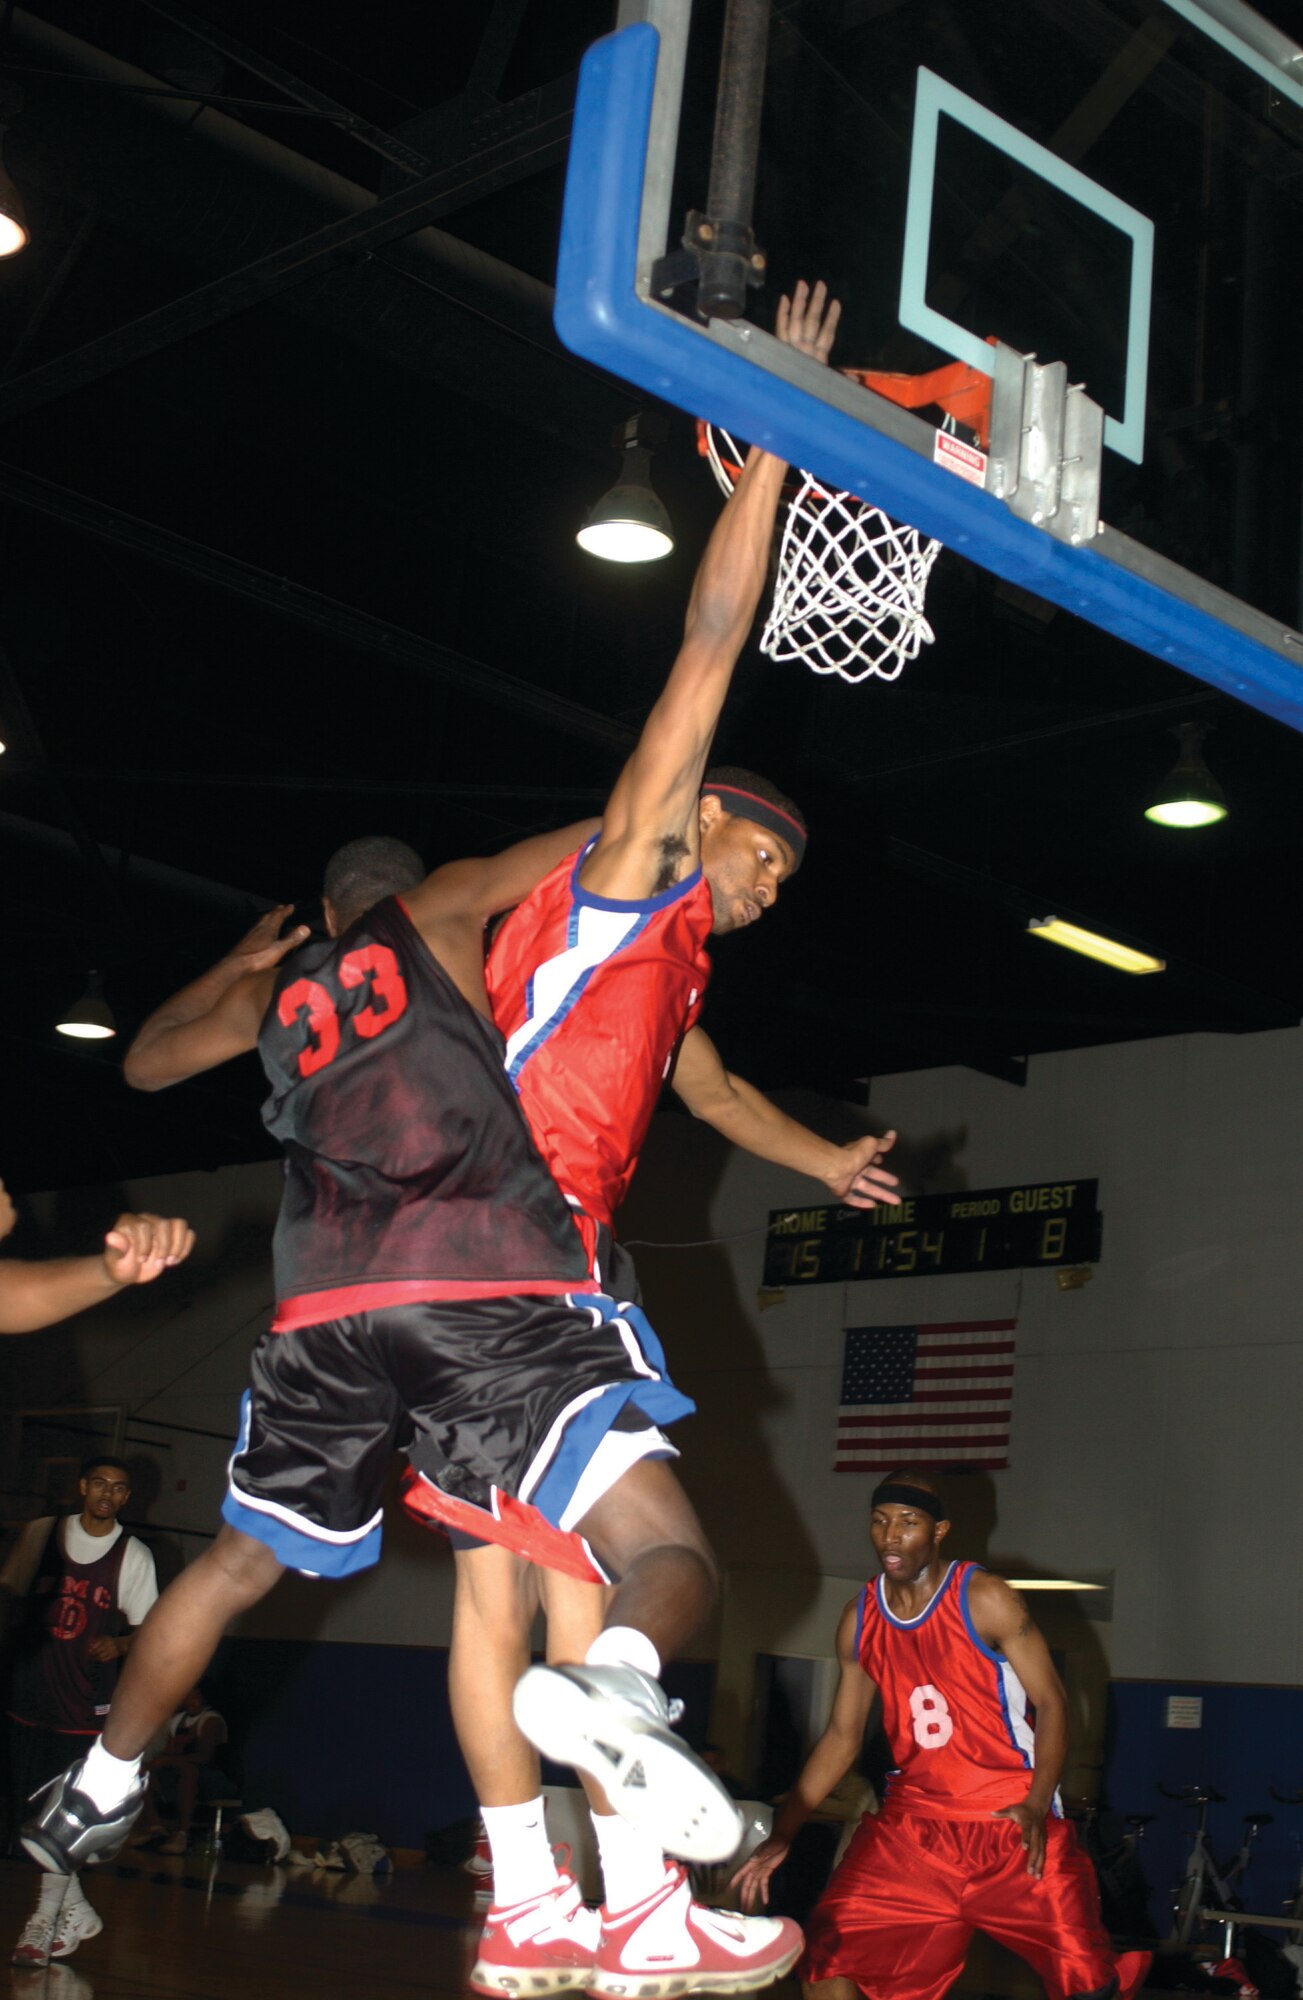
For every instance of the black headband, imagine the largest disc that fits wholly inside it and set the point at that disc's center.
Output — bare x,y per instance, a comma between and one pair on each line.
908,1496
749,805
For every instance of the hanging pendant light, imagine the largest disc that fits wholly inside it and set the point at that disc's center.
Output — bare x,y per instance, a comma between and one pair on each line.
1189,795
90,1018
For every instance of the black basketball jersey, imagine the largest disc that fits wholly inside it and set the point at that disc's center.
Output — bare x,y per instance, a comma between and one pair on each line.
409,1169
56,1683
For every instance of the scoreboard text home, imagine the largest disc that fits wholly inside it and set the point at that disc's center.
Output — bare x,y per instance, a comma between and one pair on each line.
986,1229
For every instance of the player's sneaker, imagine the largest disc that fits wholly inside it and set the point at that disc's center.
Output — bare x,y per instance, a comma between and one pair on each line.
67,1830
75,1923
479,1862
614,1724
547,1944
35,1939
668,1944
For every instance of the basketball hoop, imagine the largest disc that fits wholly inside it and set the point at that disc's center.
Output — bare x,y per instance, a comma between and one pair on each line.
852,583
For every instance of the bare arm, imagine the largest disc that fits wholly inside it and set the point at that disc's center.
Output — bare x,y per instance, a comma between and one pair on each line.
825,1767
473,891
650,823
452,906
1001,1618
219,1014
137,1250
744,1115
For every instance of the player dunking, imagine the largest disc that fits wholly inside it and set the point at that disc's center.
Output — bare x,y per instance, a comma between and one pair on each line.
597,982
432,1292
970,1836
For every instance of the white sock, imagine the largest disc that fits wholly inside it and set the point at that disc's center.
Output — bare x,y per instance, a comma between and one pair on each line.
75,1897
624,1646
633,1866
53,1889
106,1779
523,1865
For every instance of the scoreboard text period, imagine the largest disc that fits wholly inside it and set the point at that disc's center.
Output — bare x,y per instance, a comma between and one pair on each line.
984,1229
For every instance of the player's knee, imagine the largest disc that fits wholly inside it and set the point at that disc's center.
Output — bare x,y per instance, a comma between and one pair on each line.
246,1566
495,1588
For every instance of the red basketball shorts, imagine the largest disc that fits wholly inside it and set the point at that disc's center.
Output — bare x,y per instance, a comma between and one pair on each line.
899,1914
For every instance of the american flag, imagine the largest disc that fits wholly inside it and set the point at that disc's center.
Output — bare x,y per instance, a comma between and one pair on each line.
931,1395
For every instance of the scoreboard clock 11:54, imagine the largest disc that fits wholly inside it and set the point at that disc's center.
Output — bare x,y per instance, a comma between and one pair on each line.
985,1229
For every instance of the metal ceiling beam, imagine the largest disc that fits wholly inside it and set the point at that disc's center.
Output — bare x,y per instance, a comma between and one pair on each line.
1022,739
324,614
396,215
396,151
22,723
338,784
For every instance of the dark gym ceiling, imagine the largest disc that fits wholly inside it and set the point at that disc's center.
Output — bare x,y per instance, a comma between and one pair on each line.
289,486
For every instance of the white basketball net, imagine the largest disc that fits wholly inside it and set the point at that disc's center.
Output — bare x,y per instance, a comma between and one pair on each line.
851,583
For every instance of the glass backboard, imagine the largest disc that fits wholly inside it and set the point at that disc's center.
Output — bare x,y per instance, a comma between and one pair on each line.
1116,185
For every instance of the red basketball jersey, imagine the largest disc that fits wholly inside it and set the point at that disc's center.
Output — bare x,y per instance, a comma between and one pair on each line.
594,997
954,1711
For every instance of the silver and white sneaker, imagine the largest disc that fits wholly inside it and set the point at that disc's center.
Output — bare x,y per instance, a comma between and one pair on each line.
613,1723
66,1829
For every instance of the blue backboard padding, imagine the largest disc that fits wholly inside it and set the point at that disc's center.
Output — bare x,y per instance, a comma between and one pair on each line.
600,316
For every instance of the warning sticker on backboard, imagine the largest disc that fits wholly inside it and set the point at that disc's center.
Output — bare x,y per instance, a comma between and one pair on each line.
1183,1711
963,459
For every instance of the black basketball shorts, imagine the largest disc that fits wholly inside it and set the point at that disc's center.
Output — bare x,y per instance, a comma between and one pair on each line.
515,1415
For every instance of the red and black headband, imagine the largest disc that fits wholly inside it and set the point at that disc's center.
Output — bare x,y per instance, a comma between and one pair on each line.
750,805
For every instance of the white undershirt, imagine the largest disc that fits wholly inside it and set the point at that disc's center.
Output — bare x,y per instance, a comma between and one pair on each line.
137,1583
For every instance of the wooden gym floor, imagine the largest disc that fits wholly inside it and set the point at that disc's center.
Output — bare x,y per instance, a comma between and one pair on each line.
176,1930
180,1929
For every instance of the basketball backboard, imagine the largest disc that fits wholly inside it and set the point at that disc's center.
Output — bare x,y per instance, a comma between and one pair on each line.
1112,185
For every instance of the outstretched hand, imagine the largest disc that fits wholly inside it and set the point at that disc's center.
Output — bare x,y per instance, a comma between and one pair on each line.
859,1180
8,1213
263,946
808,320
139,1248
751,1880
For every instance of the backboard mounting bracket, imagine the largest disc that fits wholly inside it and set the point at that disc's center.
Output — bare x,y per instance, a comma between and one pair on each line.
1047,446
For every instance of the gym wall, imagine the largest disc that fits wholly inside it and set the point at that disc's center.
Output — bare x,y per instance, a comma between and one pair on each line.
1155,1409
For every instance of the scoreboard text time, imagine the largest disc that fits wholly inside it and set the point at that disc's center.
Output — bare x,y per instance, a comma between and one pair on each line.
988,1229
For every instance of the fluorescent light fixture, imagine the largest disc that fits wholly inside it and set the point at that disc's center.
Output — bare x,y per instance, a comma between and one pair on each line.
1122,957
1050,1583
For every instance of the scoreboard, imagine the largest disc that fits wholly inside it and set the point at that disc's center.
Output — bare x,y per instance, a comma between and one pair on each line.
987,1229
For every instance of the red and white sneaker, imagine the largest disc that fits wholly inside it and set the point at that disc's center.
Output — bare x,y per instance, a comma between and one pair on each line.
49,1935
546,1944
479,1866
667,1944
